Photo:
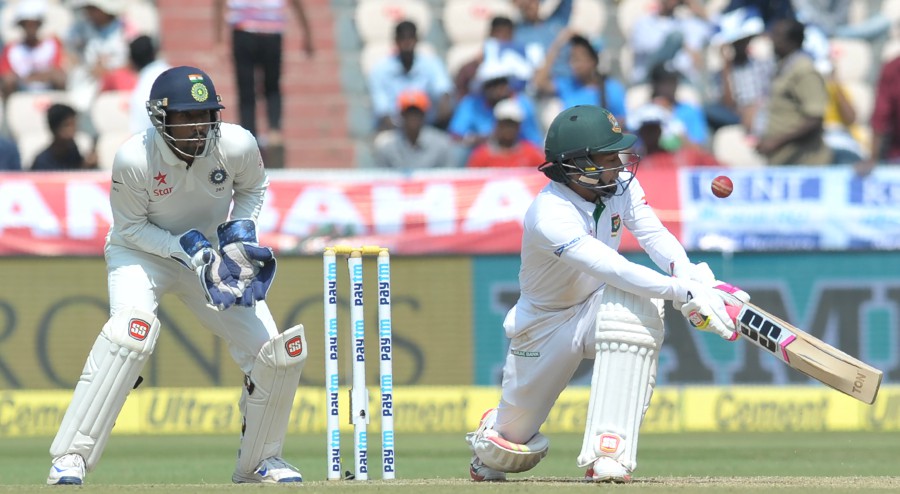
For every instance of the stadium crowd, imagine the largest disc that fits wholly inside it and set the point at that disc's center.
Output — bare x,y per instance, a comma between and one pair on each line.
728,82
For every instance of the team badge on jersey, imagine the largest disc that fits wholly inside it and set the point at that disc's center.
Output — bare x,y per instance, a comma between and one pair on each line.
615,225
217,176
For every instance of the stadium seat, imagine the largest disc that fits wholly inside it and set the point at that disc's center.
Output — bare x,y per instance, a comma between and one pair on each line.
27,112
852,59
734,148
891,9
588,17
107,145
548,110
110,111
30,145
630,11
141,17
376,19
57,22
374,52
469,21
461,54
891,50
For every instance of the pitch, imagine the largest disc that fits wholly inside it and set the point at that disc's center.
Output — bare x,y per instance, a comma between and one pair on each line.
431,464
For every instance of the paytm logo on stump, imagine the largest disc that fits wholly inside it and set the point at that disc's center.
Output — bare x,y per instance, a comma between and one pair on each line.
760,186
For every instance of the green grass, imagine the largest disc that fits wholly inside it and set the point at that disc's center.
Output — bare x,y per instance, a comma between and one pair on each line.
428,464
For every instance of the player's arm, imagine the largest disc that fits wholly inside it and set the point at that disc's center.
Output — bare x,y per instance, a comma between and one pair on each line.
250,181
659,243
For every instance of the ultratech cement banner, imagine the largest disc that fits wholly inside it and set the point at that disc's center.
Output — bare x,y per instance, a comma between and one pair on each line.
425,212
458,409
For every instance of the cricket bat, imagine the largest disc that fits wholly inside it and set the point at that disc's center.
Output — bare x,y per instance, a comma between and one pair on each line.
808,354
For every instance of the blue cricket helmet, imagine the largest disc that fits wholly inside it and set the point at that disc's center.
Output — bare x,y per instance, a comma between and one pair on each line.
182,89
186,88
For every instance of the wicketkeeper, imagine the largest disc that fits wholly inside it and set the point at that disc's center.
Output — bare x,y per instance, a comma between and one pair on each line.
581,299
172,188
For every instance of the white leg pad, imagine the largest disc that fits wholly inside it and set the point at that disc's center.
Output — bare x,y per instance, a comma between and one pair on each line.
110,373
269,396
629,335
502,455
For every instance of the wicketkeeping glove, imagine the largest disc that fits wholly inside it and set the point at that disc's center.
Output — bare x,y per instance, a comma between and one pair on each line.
253,266
219,286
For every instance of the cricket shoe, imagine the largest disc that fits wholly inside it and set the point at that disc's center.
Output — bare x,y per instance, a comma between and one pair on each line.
483,473
272,470
67,470
606,469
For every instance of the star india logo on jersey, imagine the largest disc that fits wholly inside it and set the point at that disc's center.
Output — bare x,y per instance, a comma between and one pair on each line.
138,329
294,346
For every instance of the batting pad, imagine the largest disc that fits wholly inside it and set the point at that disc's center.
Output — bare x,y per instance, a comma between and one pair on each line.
629,334
110,373
269,396
502,455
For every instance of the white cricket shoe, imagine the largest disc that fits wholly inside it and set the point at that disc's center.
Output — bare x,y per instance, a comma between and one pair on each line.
67,470
483,473
606,469
272,470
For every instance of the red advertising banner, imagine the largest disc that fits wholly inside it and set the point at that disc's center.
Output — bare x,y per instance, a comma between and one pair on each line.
441,212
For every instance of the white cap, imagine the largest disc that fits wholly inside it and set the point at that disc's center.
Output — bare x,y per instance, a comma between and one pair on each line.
111,7
509,109
738,24
647,114
30,10
491,70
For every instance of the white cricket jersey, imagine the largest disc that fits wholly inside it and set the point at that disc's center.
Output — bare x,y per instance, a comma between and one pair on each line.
155,197
567,257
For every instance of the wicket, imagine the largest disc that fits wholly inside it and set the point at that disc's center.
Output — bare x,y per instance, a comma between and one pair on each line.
359,396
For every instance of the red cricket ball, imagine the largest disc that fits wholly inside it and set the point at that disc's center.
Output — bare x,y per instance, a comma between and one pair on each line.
722,186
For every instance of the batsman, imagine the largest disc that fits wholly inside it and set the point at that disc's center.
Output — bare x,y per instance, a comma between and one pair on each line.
173,186
579,298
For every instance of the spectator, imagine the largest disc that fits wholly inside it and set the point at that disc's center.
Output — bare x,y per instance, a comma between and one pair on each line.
409,69
99,49
664,87
653,126
499,47
842,134
833,18
791,126
586,85
664,37
505,147
537,28
33,64
9,155
63,153
473,121
257,32
741,87
415,144
143,51
885,122
771,11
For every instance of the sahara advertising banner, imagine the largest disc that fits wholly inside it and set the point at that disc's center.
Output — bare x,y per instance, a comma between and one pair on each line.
424,212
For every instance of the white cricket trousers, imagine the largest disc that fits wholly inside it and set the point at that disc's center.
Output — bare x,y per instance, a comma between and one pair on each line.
137,279
543,356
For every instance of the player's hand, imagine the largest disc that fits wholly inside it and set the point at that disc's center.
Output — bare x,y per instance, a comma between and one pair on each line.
220,288
705,309
253,266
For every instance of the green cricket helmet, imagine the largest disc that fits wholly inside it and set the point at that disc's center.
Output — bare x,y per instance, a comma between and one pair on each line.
576,134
